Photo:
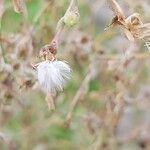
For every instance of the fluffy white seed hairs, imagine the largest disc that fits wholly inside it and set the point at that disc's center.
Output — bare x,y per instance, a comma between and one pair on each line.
147,44
52,75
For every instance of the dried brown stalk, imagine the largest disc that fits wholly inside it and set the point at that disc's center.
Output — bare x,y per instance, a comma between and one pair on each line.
50,101
77,98
119,57
19,6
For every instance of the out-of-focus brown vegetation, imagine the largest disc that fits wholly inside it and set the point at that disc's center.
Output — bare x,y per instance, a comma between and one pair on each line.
105,105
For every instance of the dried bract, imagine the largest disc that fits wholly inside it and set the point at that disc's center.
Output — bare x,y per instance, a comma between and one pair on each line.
132,26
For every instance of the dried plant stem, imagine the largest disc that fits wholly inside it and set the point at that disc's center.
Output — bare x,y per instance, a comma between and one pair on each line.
60,24
2,54
88,77
57,36
76,98
119,57
73,5
2,60
39,15
19,6
50,101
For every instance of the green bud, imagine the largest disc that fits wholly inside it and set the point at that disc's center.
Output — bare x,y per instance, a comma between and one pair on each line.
71,18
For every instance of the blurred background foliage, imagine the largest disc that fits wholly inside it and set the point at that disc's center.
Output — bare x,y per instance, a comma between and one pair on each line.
113,111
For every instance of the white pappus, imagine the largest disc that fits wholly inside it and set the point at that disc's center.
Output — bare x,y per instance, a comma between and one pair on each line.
52,75
147,44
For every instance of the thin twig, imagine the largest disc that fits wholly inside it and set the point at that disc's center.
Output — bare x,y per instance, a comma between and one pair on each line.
77,98
50,101
119,57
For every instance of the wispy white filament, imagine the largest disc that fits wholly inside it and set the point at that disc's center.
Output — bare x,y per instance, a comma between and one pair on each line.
147,44
52,75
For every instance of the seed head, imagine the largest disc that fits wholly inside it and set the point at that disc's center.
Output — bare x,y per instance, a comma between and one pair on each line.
52,75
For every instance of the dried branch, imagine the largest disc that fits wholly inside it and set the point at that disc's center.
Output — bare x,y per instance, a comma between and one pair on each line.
50,101
119,57
77,98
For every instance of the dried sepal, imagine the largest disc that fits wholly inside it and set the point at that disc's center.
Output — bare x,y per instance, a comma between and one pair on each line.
119,16
134,20
132,25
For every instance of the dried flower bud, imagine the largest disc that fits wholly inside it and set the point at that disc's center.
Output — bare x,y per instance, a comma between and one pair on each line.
52,75
47,52
71,18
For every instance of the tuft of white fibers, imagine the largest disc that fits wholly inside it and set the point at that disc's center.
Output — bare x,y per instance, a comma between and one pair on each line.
147,44
52,75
